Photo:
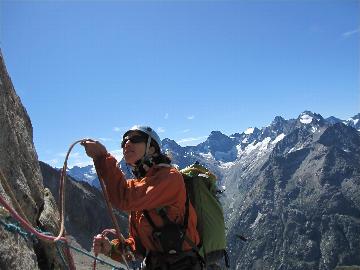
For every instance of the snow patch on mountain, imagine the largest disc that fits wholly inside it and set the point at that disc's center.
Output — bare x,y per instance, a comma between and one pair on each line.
294,149
259,147
278,138
259,216
208,156
354,121
306,119
89,176
249,131
227,165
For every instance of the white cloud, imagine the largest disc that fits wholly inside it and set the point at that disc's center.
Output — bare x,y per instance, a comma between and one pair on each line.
350,33
191,117
160,130
191,140
116,129
186,130
166,116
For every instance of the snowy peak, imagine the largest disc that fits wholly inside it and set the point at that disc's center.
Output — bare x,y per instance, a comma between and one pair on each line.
249,131
86,174
247,137
354,122
218,141
311,121
278,126
305,119
308,117
220,146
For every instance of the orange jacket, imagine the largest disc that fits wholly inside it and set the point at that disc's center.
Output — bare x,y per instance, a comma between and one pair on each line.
161,187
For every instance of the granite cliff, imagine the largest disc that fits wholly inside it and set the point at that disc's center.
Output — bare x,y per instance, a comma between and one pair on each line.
20,168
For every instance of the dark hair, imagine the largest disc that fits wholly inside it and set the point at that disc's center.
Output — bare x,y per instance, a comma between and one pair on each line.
139,170
156,146
162,158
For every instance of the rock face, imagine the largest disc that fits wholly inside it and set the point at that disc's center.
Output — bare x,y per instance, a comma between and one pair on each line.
20,167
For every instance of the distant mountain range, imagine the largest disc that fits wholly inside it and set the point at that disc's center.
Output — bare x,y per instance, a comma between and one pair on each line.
86,174
219,150
292,189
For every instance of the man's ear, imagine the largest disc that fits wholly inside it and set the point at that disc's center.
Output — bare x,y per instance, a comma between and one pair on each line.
151,150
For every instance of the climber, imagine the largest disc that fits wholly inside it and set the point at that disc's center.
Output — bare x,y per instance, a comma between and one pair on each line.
156,186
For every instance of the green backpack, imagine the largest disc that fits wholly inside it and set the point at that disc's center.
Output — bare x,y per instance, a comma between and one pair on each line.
201,188
201,191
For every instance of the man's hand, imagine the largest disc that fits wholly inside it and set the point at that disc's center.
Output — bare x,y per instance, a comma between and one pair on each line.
94,149
102,245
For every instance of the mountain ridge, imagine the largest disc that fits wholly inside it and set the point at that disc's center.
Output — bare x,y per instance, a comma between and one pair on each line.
291,188
219,148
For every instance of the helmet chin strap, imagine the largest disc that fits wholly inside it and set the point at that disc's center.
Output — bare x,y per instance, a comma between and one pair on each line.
147,146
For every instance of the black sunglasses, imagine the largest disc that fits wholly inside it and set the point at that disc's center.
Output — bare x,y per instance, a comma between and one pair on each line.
133,139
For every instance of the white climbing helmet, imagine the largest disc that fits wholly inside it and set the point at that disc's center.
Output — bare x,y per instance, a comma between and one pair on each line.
148,131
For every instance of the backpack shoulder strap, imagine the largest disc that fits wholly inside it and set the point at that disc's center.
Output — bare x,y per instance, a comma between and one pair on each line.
138,244
149,219
161,211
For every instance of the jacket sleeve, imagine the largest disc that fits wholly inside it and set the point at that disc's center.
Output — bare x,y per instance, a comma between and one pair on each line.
136,195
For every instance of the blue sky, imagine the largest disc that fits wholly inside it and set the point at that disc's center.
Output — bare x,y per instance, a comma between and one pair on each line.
186,68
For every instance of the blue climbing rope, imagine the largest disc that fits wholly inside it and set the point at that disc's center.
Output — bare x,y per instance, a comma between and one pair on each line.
63,261
93,257
15,228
